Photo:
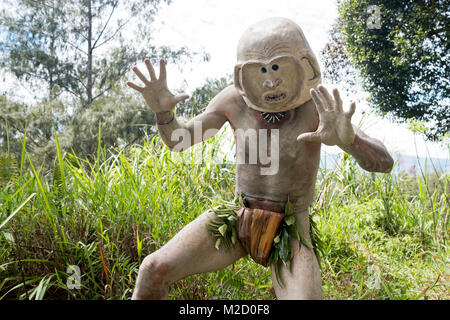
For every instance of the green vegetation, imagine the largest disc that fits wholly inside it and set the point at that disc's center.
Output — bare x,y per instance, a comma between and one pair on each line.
69,198
400,51
71,57
78,48
384,236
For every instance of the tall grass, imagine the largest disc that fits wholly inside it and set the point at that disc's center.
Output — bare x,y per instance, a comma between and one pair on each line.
385,236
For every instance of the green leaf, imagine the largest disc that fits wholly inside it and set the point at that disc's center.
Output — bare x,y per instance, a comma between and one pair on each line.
218,243
60,162
233,236
292,230
289,220
289,208
276,239
17,210
302,235
275,266
223,230
284,246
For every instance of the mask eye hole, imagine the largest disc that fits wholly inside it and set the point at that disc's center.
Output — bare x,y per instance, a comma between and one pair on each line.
275,67
263,70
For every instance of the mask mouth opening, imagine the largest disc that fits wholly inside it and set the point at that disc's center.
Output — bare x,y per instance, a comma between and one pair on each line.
276,97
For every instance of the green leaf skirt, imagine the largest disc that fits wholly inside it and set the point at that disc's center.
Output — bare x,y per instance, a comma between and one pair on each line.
223,229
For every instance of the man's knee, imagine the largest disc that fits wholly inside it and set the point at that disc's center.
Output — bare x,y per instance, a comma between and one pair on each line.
153,279
156,269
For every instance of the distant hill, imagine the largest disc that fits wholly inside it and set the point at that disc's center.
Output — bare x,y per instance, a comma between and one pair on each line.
409,164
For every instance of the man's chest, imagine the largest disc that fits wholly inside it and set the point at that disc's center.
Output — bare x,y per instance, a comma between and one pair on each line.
256,138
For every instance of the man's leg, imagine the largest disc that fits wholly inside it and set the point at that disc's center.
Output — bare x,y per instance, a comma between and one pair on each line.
303,280
191,251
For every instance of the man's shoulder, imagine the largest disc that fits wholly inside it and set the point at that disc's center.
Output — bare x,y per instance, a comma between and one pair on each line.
226,100
230,94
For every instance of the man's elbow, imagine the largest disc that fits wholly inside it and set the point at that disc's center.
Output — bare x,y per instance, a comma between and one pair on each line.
384,165
388,164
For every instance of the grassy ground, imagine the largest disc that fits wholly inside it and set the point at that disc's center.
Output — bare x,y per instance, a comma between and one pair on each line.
385,236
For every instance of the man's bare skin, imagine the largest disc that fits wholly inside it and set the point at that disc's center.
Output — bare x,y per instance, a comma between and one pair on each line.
321,119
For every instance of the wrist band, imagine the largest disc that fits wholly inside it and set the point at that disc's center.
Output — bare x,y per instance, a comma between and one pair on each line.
161,124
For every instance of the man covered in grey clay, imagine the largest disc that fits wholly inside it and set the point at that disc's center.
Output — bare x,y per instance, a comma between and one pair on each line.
276,91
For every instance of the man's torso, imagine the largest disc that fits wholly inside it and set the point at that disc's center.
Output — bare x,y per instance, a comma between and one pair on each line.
297,163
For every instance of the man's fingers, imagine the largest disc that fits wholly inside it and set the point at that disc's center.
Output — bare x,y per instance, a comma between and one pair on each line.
350,112
140,75
309,137
150,69
181,97
326,97
338,100
162,70
135,86
317,100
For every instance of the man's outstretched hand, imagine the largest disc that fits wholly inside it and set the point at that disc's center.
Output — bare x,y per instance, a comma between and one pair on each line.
155,91
335,127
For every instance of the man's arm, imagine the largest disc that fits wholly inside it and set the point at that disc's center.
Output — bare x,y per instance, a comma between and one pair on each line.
179,136
335,128
176,135
370,153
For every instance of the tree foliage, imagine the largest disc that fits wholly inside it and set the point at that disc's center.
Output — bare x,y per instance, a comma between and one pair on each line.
34,38
37,122
337,67
403,63
122,117
82,47
74,54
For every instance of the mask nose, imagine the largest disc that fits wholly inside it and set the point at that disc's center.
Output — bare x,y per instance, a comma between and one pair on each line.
271,84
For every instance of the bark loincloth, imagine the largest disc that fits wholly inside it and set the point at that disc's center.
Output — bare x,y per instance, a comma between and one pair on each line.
263,228
256,229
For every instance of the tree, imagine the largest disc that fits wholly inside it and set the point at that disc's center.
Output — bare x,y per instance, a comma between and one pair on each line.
38,122
124,119
81,46
80,51
337,66
34,39
403,61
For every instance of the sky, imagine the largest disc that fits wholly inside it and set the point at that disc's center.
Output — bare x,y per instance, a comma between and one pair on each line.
214,26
